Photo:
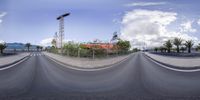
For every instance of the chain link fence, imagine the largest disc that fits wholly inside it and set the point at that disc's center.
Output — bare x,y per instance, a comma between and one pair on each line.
76,50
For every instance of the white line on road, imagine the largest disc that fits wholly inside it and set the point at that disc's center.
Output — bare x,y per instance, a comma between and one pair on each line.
38,54
13,64
89,69
174,69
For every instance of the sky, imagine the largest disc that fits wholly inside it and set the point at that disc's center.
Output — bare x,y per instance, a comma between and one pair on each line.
142,22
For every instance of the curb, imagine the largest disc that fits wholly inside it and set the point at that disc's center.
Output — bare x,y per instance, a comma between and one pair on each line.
174,68
6,66
87,69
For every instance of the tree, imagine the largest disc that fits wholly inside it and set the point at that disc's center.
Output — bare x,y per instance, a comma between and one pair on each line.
182,49
53,49
162,49
2,47
198,47
28,45
168,45
71,48
53,42
177,42
156,49
41,48
123,45
189,45
38,47
135,50
95,48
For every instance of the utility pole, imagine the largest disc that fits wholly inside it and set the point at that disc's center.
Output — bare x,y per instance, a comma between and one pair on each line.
61,30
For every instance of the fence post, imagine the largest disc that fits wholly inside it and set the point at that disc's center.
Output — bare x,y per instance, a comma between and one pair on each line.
67,52
92,53
79,52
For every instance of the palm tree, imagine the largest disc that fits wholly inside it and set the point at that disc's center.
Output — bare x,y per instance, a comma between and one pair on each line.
182,49
2,47
177,42
168,45
162,49
54,43
38,47
198,47
28,45
189,45
41,48
156,49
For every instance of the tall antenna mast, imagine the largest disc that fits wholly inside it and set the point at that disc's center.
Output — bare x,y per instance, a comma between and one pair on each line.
61,30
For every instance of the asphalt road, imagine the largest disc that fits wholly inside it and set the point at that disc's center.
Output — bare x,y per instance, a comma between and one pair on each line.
137,78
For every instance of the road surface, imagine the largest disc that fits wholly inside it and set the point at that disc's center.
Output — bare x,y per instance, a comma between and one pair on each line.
138,78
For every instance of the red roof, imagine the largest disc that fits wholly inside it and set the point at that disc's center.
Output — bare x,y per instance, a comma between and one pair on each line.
99,45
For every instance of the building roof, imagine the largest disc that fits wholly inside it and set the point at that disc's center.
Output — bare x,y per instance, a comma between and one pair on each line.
99,45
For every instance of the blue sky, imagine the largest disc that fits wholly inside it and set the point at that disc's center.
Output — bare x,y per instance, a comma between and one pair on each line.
35,20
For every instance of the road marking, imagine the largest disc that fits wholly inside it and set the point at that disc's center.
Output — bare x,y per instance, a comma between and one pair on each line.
37,54
90,69
13,64
170,68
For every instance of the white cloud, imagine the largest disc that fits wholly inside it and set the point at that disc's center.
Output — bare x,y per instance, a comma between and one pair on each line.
2,15
187,27
198,22
145,4
149,28
46,42
1,41
116,21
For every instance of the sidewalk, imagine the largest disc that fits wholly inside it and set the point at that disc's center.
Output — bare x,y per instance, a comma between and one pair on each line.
86,63
11,59
176,61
